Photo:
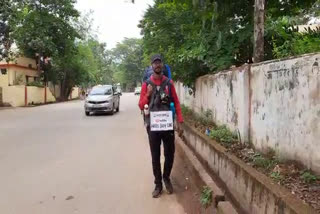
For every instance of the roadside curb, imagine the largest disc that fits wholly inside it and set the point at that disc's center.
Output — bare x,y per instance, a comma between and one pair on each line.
6,108
39,105
51,103
249,190
226,208
218,195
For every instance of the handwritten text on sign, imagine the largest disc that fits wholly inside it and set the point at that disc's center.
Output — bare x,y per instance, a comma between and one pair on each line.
161,121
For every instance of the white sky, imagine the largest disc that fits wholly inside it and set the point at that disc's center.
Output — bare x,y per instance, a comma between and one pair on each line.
115,19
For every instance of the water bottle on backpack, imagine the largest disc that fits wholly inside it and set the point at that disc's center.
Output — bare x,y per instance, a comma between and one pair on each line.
146,110
172,108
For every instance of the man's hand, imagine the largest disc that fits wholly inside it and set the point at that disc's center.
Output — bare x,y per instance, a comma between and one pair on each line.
149,90
179,129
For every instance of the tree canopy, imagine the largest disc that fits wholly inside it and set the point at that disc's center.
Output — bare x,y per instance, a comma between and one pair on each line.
196,37
128,62
55,29
203,36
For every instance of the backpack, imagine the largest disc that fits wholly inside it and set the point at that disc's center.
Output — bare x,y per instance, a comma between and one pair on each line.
159,100
149,71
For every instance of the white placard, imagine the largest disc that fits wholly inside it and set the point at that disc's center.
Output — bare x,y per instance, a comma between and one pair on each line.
161,121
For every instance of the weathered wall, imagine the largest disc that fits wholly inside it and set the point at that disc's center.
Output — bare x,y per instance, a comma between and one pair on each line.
285,108
21,66
225,95
14,95
184,94
36,95
50,97
24,61
14,91
16,73
3,80
75,93
274,104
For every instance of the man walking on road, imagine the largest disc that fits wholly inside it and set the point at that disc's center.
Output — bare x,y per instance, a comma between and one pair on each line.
159,97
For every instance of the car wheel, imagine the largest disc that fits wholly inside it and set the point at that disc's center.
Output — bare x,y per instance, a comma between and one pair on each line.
112,112
117,110
87,113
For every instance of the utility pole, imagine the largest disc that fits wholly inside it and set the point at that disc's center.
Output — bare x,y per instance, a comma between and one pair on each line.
259,17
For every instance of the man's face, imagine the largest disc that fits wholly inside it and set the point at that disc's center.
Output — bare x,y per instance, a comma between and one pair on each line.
157,66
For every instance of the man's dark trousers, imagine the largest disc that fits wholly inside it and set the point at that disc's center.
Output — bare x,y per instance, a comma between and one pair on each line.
155,138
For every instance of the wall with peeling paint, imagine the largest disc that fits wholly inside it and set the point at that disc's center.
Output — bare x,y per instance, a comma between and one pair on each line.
285,108
185,95
225,95
274,104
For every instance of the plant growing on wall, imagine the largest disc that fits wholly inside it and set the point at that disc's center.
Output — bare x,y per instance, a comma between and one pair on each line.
206,197
36,84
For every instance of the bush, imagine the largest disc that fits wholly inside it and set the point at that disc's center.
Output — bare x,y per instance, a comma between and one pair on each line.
308,177
276,176
206,196
36,84
262,162
186,110
288,41
223,135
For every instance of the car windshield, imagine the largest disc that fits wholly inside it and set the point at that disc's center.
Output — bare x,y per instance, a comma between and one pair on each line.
101,91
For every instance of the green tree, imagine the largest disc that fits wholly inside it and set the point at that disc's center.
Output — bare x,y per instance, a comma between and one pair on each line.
53,29
8,19
73,68
84,64
45,27
44,30
128,63
199,37
103,73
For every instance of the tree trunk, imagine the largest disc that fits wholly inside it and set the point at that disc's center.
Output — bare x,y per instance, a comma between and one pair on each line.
64,87
259,16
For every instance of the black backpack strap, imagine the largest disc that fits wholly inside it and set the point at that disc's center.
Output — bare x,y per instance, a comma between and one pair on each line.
165,83
170,93
149,82
151,101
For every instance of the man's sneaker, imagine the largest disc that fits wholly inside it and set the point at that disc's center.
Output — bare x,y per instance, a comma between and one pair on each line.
168,185
157,192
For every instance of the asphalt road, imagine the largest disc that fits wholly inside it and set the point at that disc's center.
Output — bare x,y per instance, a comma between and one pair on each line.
54,159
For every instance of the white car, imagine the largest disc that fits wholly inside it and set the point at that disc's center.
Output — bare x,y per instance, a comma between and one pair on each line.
137,90
102,99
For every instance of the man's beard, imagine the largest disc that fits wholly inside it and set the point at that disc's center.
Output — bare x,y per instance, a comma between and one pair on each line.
157,71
